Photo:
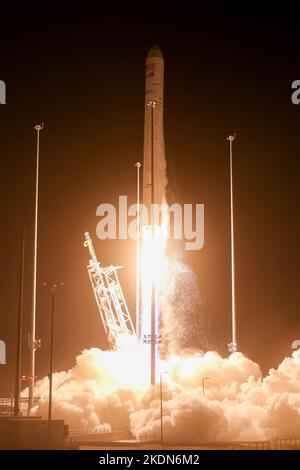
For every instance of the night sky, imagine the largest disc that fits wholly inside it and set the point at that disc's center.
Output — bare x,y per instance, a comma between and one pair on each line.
79,68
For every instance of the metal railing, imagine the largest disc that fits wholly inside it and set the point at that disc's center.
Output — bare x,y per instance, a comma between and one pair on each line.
7,405
78,436
292,443
146,438
73,432
9,401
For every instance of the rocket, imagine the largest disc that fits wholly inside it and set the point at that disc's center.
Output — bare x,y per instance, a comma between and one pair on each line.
154,167
154,178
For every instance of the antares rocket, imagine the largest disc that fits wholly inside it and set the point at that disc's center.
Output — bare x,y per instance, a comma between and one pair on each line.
154,179
107,289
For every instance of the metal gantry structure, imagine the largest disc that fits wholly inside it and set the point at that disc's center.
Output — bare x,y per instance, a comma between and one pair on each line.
110,301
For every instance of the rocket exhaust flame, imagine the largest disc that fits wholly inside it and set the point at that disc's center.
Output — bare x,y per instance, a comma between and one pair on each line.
153,266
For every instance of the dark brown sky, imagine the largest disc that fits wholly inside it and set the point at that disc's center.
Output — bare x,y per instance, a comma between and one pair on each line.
79,67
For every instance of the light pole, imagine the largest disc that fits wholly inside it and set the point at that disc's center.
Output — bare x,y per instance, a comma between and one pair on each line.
232,347
137,301
203,384
161,407
33,343
52,287
19,331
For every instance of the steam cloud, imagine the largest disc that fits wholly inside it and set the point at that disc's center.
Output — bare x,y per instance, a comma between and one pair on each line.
110,388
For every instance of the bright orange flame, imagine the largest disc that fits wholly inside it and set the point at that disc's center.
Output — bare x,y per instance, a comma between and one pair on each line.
153,259
153,265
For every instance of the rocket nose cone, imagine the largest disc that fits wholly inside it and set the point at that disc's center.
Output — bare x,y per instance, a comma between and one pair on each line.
155,52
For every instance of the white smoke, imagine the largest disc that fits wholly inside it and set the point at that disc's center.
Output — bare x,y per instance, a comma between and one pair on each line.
182,323
111,389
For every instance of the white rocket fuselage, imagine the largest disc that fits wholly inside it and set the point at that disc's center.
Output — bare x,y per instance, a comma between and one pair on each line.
154,167
154,188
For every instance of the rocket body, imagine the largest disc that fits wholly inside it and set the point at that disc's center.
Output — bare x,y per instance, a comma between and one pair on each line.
154,189
154,167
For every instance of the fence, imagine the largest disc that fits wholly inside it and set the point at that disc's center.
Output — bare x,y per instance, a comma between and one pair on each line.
7,405
84,436
81,432
146,438
273,444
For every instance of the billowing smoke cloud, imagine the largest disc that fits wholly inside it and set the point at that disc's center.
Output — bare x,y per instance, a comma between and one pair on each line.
111,389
